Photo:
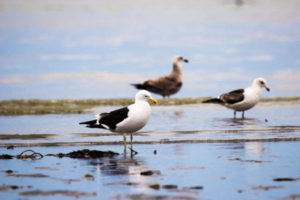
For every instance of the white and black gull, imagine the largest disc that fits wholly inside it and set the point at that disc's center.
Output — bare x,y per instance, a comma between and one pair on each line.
165,85
242,99
126,120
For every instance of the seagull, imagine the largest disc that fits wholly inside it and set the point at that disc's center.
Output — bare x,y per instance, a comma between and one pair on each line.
127,119
242,99
165,85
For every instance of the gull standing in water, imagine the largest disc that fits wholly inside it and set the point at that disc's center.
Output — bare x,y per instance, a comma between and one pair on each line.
242,99
127,119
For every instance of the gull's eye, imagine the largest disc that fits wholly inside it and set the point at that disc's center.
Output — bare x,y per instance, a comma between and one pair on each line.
261,82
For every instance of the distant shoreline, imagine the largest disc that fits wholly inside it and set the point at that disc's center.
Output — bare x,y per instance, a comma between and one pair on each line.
39,106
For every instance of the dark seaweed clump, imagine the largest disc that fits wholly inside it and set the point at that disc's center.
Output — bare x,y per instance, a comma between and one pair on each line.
87,154
84,154
284,179
150,172
6,156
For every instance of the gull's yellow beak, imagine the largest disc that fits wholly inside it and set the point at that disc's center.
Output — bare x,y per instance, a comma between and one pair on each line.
267,88
154,101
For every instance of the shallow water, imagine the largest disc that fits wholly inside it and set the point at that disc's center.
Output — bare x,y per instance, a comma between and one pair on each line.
239,170
200,150
167,123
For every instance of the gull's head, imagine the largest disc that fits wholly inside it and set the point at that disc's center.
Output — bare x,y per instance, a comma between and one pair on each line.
261,83
144,95
178,59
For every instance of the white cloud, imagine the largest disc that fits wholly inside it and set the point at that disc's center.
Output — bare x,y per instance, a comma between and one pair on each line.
124,58
105,77
290,86
194,40
287,80
221,36
207,76
231,59
92,13
287,75
36,39
230,51
98,40
70,57
100,77
277,37
12,79
10,67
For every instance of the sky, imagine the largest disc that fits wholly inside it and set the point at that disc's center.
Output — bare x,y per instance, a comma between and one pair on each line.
89,49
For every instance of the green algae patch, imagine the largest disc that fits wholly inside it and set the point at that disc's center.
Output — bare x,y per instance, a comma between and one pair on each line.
38,107
181,101
25,136
280,99
64,106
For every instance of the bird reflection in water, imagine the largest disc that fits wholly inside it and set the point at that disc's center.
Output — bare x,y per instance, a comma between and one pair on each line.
240,123
117,165
131,167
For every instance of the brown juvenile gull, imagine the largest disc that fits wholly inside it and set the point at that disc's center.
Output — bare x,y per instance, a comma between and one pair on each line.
165,85
242,99
127,119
